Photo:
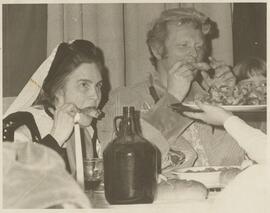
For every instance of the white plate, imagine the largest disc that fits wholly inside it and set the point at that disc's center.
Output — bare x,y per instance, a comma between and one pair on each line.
235,108
211,179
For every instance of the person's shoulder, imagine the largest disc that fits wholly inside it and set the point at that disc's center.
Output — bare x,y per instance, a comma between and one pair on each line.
134,89
36,109
133,95
38,113
16,120
18,117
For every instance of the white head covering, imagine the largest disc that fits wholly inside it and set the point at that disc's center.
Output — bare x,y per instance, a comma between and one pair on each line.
32,88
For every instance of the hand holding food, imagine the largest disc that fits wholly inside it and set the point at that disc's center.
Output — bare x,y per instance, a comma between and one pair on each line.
87,114
179,79
214,115
64,119
222,75
63,123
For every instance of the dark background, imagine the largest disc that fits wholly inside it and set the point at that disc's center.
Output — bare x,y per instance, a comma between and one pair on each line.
249,30
25,39
24,44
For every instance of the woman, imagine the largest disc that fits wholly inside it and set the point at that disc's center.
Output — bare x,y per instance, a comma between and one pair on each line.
67,83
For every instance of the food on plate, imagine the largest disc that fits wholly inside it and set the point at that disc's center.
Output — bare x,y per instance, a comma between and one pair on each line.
246,92
177,190
228,175
209,176
209,169
204,170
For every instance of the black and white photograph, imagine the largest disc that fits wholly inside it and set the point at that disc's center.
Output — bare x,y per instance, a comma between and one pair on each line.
125,106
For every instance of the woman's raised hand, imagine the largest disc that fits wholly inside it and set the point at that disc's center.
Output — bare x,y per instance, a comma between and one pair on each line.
211,114
63,122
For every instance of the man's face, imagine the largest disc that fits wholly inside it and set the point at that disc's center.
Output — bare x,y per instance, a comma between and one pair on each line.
184,43
83,86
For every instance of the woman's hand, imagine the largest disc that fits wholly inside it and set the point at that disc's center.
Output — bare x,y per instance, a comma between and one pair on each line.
63,123
87,115
179,80
211,114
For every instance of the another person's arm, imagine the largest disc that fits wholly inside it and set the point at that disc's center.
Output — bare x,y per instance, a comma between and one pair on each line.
252,140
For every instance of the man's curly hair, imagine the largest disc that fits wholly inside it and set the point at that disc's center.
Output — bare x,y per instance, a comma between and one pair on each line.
157,35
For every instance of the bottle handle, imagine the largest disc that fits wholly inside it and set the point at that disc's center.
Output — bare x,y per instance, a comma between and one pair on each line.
115,123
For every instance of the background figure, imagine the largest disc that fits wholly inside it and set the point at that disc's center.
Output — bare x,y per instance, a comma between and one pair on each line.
251,72
250,68
34,176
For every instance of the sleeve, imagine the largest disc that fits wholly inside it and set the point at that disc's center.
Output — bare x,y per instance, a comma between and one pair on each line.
16,121
169,123
163,123
252,140
22,134
162,118
21,127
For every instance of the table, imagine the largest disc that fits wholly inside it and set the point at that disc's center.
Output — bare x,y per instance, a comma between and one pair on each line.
99,201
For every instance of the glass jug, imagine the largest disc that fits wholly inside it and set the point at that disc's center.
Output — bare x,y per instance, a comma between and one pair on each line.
130,163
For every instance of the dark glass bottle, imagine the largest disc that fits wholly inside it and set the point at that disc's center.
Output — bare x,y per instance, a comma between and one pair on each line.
130,164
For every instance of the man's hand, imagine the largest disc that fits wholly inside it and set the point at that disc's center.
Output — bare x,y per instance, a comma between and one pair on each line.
223,75
179,80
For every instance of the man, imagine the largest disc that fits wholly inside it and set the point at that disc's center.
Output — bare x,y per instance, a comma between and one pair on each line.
177,43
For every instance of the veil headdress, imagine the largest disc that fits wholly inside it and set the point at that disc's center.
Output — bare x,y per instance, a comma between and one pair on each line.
32,88
50,69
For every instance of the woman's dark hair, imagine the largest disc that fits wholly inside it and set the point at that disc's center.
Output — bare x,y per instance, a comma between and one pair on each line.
68,57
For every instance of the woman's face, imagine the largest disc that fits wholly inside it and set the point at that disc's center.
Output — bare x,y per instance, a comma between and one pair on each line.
183,43
83,86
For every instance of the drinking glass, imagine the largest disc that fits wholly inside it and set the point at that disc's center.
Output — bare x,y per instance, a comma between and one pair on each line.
93,173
